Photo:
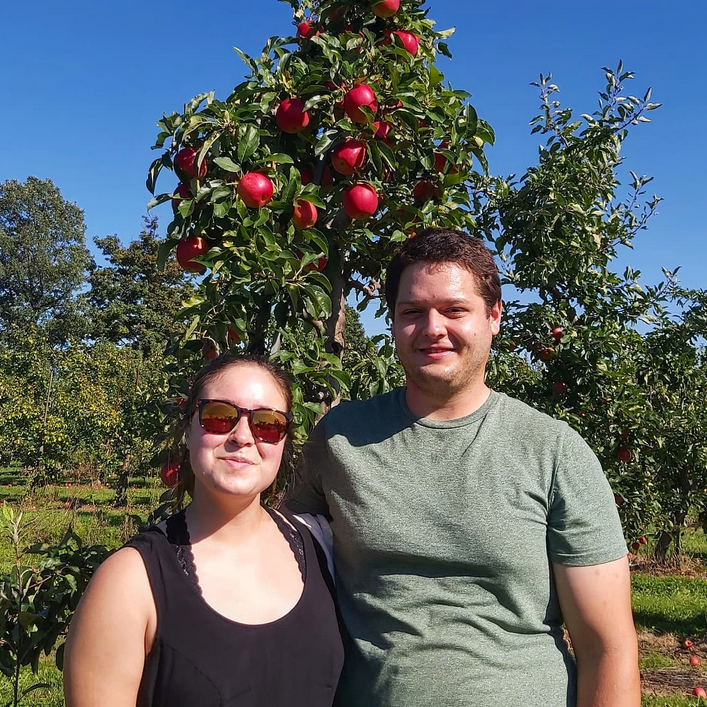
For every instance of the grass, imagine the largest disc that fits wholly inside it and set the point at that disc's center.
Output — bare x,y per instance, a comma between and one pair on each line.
670,604
49,511
46,697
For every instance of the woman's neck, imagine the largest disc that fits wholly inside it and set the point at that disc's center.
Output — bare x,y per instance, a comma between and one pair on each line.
237,520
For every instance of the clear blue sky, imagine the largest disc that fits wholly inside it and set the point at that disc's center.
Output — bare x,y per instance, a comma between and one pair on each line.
84,82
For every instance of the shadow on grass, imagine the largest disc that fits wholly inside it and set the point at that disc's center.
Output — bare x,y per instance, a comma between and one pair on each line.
113,519
658,622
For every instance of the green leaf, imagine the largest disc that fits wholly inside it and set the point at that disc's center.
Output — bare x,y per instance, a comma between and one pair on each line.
278,158
324,142
226,163
249,143
191,328
153,173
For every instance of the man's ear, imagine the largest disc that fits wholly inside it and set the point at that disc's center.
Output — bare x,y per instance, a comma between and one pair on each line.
495,317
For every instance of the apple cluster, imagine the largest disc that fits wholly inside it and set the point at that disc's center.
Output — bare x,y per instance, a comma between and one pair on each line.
359,104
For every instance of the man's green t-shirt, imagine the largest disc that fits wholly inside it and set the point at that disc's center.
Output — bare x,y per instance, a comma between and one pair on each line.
444,535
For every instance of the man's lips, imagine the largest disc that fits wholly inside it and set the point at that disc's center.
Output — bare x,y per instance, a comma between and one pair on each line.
435,351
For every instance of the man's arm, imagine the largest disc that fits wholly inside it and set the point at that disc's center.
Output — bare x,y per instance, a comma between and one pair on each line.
306,495
596,605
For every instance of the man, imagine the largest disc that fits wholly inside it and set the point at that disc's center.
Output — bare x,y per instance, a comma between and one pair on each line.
467,526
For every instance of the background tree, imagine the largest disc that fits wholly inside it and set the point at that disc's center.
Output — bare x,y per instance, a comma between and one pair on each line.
43,259
579,324
674,437
133,302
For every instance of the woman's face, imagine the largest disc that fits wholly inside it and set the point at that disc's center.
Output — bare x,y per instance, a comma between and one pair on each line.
236,463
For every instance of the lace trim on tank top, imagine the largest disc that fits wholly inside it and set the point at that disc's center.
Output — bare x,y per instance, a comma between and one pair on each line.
178,537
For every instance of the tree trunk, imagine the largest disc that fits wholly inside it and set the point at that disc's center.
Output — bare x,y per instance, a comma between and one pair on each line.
121,488
335,326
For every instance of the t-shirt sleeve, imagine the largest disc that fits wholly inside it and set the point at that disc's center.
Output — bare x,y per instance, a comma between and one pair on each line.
307,495
583,524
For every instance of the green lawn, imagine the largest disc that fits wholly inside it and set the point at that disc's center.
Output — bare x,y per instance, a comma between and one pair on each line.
667,604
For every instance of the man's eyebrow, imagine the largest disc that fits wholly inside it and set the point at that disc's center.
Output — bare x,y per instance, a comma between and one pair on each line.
451,301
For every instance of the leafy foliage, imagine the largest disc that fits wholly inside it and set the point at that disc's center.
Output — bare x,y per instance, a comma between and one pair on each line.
132,301
37,602
43,259
577,330
260,279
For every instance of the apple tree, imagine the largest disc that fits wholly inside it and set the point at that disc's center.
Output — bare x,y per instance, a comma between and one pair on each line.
560,230
674,376
293,191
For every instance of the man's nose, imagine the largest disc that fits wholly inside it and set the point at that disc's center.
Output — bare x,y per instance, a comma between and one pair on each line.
433,324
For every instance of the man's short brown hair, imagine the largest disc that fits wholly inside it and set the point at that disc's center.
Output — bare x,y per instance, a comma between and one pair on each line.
438,245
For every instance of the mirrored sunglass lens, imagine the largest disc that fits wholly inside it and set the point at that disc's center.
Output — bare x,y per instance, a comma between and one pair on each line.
218,418
269,425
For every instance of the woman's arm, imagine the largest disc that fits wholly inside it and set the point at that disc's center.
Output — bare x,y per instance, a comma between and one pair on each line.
110,635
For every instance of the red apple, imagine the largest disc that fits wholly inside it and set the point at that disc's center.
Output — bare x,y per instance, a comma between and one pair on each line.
185,164
306,175
318,266
305,214
306,29
624,454
546,354
385,8
349,156
255,189
424,191
699,692
190,248
208,351
291,117
642,540
441,163
381,130
557,333
170,473
181,193
694,660
560,387
636,547
360,201
358,97
409,41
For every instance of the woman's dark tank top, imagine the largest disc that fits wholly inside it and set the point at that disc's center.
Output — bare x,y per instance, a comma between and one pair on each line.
202,659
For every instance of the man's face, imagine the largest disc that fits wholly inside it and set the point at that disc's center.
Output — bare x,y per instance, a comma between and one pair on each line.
442,330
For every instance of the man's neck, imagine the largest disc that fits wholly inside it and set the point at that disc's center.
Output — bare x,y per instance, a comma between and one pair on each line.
461,404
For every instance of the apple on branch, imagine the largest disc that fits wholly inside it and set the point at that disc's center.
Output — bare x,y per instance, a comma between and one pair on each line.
255,189
185,164
361,96
360,201
291,117
190,248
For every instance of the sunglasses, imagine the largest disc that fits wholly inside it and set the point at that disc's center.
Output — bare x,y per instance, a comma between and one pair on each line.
220,417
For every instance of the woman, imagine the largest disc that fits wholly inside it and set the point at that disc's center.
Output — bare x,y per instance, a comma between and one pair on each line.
225,603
